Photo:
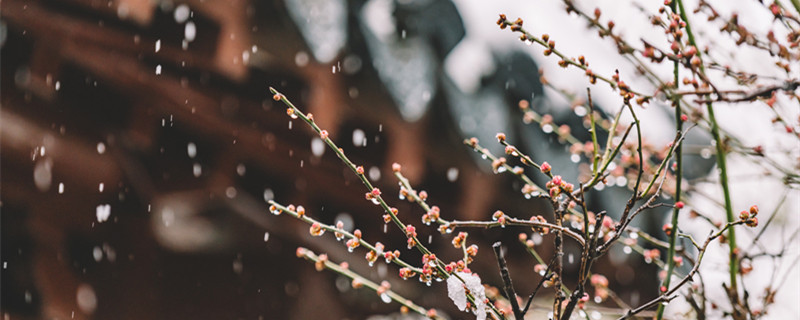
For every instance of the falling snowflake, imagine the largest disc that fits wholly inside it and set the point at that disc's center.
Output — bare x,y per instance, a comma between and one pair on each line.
103,212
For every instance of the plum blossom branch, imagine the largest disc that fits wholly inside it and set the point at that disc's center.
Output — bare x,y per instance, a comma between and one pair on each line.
321,262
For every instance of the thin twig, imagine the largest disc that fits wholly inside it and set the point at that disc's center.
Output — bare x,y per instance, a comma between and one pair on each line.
508,287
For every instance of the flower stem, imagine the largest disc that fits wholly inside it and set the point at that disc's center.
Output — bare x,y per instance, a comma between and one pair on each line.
673,236
723,170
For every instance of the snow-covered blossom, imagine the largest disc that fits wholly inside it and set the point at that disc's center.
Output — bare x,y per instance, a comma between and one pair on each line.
456,290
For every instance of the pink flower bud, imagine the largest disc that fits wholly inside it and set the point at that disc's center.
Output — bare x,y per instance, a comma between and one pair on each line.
411,231
744,215
690,51
545,167
667,228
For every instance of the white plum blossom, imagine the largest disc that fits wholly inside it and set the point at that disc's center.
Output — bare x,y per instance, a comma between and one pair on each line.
456,290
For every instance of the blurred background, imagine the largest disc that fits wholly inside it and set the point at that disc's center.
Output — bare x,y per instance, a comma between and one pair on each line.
140,146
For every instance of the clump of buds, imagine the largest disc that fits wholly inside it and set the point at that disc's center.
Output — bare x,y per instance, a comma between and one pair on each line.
372,195
411,231
499,216
316,229
429,259
556,184
517,25
650,255
445,228
411,242
406,273
450,267
372,255
339,226
749,217
472,251
458,240
389,256
431,216
528,189
502,21
353,243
